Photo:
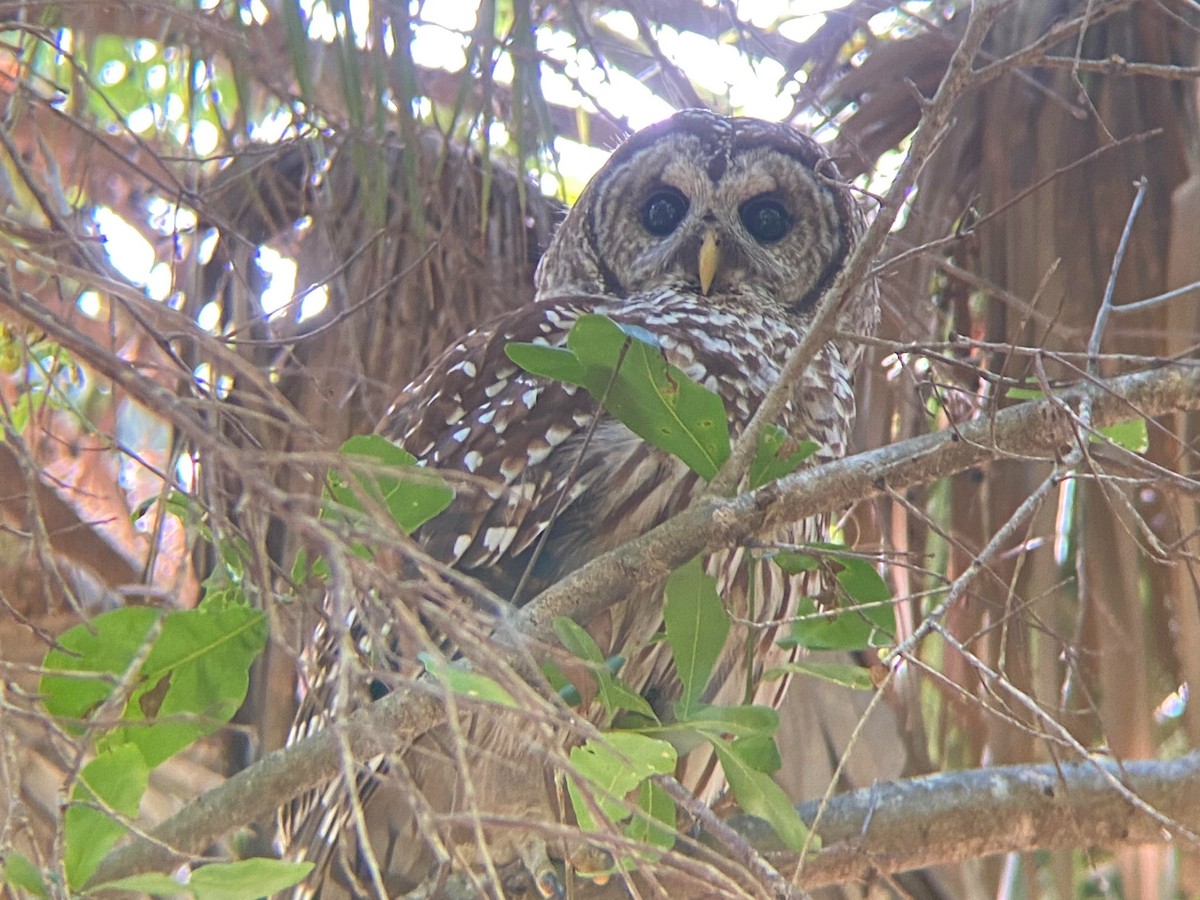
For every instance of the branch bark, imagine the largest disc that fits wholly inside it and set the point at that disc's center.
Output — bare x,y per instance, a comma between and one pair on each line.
950,817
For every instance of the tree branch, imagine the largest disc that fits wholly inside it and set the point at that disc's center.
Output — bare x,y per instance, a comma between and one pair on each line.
390,724
954,816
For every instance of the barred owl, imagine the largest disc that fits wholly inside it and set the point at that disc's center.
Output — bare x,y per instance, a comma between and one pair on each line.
718,236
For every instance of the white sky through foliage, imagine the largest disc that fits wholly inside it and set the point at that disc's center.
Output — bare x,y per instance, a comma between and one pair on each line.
442,33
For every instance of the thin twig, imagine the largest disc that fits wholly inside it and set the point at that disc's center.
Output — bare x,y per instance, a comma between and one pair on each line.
1110,288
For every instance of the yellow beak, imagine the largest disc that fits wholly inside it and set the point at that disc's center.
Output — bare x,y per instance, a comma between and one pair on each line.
710,256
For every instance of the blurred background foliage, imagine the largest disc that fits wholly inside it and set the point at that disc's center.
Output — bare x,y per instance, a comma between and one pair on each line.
278,212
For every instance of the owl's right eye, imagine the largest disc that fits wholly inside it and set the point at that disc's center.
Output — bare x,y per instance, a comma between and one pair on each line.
663,211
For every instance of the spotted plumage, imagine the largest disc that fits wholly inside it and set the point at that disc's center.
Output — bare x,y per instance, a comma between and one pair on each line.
718,236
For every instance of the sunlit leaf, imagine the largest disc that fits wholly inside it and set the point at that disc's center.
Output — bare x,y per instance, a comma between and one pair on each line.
246,879
1131,435
1017,393
152,883
194,678
98,652
613,766
192,681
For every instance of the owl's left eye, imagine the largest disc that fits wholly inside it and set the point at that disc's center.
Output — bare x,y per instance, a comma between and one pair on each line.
765,218
663,211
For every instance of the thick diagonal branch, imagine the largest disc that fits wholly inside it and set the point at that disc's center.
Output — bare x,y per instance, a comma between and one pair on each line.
1030,429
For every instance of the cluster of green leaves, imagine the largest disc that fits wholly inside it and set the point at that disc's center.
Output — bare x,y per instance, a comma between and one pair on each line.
382,478
620,767
626,370
641,745
143,684
140,684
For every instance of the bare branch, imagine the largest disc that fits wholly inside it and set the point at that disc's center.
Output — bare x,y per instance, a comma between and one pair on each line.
1011,809
391,723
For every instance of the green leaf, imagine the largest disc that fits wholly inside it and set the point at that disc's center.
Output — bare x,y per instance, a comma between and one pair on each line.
777,455
549,362
243,880
625,368
466,682
194,678
1016,393
697,626
864,584
246,879
98,652
17,871
739,721
857,576
613,766
758,752
1131,435
655,823
411,498
654,399
577,640
614,694
118,778
855,677
760,796
816,630
153,883
794,563
559,681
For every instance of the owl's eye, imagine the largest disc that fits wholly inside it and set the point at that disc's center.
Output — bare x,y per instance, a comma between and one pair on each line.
663,211
765,218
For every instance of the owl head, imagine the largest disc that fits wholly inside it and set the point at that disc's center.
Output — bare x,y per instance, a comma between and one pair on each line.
746,213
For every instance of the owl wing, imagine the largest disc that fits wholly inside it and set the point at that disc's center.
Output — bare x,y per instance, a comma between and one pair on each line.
518,436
